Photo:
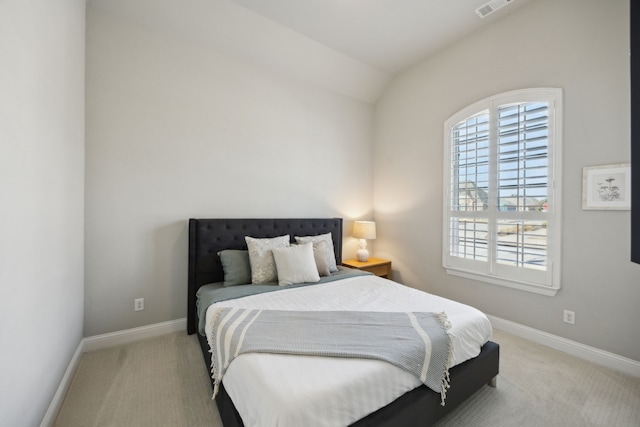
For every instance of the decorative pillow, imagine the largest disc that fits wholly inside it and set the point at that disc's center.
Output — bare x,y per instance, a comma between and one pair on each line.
236,267
330,254
295,264
320,256
263,267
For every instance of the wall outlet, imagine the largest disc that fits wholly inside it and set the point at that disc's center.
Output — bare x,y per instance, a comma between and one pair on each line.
569,317
138,304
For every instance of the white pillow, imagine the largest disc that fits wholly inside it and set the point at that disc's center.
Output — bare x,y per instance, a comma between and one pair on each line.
295,264
330,254
263,267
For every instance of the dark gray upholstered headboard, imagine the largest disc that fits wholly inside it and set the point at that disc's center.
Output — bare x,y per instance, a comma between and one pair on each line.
209,236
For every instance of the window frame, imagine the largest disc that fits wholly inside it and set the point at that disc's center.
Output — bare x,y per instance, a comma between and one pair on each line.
544,283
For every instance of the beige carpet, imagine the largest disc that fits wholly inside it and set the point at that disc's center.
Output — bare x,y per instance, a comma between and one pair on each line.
163,382
155,382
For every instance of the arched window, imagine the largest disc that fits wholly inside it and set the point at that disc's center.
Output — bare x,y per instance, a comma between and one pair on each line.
502,206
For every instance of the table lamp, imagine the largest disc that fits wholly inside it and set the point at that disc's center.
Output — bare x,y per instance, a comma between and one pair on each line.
363,230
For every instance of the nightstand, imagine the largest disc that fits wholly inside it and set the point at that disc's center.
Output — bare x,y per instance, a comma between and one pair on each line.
377,266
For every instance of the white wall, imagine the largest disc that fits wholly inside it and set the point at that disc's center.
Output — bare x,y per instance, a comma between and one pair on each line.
41,196
579,45
178,130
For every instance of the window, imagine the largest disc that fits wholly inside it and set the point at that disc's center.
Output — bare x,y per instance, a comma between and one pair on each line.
502,190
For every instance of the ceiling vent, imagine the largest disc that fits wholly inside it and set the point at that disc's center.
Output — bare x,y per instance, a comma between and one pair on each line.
488,8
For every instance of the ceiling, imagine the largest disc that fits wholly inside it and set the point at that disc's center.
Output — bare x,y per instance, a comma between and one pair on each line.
388,35
352,47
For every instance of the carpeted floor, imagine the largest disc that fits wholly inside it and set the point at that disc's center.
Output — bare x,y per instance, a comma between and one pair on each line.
155,382
163,382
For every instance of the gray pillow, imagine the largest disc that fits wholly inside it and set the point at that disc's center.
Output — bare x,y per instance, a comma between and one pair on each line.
329,253
320,256
236,267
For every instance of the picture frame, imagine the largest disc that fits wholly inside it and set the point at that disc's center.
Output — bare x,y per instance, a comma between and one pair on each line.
606,187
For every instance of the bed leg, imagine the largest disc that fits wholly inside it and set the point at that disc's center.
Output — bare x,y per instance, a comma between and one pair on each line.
493,381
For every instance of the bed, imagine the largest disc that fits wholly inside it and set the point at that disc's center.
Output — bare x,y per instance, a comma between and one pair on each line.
418,404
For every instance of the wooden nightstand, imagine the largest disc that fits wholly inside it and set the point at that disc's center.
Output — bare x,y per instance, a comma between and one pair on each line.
379,267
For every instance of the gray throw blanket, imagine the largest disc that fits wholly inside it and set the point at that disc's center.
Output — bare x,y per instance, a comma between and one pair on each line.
416,342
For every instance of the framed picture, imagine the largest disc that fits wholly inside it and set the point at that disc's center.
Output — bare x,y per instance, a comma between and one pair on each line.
606,187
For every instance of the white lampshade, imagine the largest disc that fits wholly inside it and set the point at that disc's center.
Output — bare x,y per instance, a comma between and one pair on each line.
363,230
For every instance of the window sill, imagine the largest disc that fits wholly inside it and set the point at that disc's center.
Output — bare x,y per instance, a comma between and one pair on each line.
522,286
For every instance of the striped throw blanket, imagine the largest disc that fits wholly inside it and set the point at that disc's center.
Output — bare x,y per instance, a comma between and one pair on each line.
414,341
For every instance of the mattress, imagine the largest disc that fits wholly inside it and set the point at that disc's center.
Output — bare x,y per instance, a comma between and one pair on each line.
284,390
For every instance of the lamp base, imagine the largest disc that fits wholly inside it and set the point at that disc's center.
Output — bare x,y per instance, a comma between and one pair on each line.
362,255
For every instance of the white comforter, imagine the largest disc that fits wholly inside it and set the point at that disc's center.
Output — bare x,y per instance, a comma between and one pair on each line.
284,390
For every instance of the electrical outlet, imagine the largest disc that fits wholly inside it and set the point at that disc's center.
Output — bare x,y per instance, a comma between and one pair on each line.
138,304
569,317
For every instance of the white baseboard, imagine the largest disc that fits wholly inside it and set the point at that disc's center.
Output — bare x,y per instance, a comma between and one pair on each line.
592,354
58,398
98,342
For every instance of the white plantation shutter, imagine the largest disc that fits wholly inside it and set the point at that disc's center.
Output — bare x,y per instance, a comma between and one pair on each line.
501,179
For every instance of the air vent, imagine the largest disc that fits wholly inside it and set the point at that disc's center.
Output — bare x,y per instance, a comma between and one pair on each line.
488,8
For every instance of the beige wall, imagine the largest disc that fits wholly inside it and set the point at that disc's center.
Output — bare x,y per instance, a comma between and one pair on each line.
178,130
577,45
41,197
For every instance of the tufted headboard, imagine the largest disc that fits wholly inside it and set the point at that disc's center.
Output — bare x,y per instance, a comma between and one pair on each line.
209,236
